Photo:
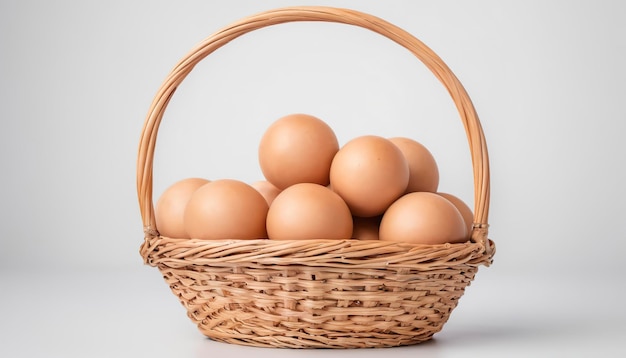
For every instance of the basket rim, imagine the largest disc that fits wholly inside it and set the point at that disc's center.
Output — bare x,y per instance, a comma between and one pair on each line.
460,97
318,253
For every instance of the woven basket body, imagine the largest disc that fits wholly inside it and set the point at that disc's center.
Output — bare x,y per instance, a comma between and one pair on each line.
316,293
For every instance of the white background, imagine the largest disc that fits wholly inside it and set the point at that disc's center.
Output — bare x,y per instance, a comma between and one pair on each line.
77,78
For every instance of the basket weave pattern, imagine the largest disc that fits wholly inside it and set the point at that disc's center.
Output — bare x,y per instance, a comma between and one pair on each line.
316,293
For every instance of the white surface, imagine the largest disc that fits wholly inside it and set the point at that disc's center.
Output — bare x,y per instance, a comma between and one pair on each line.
77,79
133,314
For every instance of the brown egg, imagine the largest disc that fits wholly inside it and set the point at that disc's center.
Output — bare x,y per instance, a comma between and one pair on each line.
226,209
365,228
369,173
423,218
267,189
423,170
465,211
308,211
170,208
297,148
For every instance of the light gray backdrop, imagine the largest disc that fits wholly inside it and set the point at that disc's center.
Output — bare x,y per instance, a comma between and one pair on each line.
77,78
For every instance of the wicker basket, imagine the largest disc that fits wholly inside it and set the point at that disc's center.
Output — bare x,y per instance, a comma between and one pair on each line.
316,293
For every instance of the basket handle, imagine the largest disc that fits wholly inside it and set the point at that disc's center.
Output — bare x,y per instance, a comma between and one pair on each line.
469,117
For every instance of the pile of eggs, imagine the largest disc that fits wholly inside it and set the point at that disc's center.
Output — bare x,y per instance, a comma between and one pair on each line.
371,188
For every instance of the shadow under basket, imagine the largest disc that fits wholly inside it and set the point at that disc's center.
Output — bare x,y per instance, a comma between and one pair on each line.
317,293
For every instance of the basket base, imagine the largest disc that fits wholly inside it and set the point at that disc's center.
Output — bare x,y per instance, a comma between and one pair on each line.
303,340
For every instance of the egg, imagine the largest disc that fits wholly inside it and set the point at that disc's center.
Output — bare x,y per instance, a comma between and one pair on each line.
267,189
423,218
423,169
170,207
297,148
365,228
308,211
226,209
369,172
465,211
